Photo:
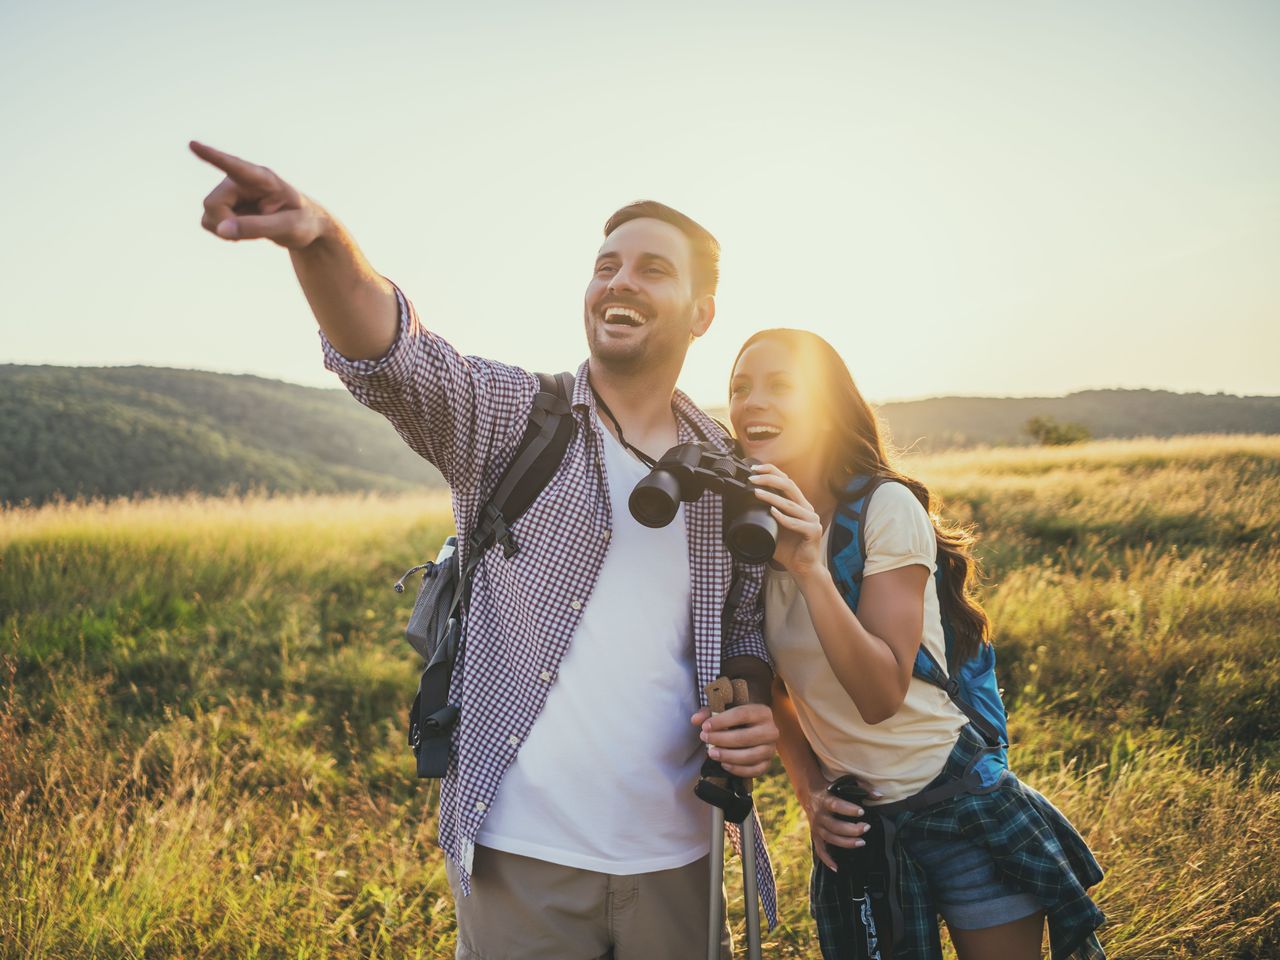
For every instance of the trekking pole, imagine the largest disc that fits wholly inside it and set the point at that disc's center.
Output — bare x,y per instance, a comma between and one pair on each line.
750,893
719,696
730,799
715,920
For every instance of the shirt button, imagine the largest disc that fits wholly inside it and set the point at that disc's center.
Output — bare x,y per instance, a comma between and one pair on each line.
513,740
607,535
545,676
480,806
577,604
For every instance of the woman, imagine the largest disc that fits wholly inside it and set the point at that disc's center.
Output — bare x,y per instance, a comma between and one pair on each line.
994,861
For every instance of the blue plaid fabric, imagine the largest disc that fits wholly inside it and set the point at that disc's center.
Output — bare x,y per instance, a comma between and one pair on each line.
1035,849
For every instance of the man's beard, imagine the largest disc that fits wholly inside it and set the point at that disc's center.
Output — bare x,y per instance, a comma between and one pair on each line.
657,348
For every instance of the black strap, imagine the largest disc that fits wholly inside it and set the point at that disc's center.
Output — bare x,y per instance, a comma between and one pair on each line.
968,782
897,922
640,455
432,716
868,878
645,458
719,788
537,458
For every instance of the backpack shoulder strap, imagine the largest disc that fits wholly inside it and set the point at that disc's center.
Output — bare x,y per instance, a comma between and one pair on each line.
847,557
847,542
538,456
928,669
542,447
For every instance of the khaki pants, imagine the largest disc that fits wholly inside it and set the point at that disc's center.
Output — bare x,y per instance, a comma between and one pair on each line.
525,909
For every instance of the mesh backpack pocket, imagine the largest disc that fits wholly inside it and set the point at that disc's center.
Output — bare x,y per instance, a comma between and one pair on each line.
429,622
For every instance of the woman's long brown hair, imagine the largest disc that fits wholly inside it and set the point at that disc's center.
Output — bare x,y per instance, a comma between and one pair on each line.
857,449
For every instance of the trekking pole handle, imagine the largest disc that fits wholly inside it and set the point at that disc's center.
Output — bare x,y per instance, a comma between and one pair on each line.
723,693
720,694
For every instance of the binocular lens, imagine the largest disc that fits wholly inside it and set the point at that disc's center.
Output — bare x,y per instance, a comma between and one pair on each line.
752,535
655,499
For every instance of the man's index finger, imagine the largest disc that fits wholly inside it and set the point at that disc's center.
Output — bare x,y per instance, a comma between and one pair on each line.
237,169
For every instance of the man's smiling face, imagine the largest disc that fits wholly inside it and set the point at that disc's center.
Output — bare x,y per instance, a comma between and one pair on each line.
641,307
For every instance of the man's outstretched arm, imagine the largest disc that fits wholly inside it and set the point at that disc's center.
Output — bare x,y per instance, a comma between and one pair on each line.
457,412
354,305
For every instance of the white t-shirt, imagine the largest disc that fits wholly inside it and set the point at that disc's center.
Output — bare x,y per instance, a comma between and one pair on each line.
901,755
605,779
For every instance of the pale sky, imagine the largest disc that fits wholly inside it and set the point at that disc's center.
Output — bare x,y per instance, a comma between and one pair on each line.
977,198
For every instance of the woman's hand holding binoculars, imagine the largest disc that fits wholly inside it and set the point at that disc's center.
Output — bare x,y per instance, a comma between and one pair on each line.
799,546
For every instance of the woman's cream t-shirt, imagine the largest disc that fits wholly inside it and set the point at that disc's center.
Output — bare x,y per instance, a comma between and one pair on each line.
901,755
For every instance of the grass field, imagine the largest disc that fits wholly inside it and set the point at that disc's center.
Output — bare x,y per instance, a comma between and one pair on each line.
201,747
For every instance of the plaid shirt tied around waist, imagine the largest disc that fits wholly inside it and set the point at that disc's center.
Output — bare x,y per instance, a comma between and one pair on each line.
1035,849
466,416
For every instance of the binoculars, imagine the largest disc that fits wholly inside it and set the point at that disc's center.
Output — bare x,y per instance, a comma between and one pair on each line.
689,470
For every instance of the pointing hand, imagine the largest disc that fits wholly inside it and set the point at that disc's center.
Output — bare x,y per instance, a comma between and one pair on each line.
252,202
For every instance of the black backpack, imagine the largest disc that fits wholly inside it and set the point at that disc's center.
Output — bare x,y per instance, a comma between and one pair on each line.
435,626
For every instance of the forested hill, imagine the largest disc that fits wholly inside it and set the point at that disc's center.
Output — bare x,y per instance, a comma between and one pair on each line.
111,431
942,422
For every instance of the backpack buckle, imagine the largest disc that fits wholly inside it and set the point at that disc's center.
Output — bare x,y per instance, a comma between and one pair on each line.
506,537
493,528
439,724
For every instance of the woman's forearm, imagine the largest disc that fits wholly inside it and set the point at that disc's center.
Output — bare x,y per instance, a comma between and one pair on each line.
797,756
832,821
866,666
871,657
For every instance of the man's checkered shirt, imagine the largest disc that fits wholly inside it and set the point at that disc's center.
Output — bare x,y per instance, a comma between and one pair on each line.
466,415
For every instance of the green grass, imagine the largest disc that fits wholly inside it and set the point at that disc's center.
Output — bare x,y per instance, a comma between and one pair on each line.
201,744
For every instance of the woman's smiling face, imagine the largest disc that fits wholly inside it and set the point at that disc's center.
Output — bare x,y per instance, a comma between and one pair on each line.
773,404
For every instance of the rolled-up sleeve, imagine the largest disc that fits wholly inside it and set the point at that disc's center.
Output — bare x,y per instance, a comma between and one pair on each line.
454,411
899,532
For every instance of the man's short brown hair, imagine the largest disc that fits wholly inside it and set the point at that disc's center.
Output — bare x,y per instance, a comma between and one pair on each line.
705,247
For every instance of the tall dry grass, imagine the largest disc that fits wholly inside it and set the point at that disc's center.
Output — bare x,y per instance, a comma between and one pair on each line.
201,748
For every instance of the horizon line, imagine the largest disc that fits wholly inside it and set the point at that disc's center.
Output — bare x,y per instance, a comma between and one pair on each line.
876,402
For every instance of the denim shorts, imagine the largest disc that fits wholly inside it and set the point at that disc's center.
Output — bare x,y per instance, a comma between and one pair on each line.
964,885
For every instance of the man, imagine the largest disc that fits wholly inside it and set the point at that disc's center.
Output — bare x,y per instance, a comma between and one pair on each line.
567,815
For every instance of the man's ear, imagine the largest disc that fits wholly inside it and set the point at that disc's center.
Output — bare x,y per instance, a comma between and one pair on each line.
704,312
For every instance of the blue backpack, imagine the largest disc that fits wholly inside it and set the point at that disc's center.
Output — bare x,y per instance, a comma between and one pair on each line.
973,688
